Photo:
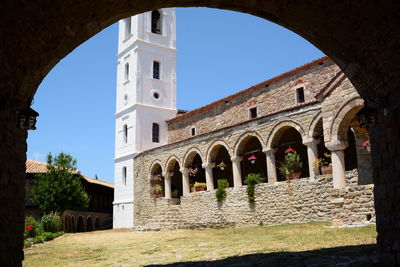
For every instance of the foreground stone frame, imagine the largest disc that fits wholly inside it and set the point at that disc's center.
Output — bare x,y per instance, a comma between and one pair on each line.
362,38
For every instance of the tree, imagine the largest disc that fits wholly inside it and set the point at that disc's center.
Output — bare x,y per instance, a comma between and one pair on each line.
60,187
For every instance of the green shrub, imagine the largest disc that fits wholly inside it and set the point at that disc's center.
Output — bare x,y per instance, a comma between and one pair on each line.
51,223
58,234
251,180
38,239
220,193
47,236
32,227
27,243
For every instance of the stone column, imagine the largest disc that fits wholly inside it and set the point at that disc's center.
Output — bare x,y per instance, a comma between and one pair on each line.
237,171
185,181
209,175
271,165
12,184
167,183
338,165
312,153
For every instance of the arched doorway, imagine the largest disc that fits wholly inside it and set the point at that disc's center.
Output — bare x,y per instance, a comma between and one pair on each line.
223,164
72,224
373,66
80,225
289,137
197,173
157,182
176,178
254,159
89,224
97,224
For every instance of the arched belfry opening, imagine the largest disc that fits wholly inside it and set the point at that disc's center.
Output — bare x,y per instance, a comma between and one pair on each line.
254,159
289,137
223,165
156,22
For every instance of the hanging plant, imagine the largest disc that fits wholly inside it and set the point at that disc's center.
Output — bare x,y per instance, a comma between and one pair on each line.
193,172
222,166
367,145
220,193
252,159
251,180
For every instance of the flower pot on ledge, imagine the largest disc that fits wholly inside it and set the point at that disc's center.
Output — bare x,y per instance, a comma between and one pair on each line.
158,195
200,188
326,170
293,175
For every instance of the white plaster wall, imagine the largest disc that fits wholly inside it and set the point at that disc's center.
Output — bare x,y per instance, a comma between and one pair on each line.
123,194
127,117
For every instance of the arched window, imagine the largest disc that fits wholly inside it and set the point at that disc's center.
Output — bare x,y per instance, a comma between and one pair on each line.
156,70
125,133
123,175
156,22
156,133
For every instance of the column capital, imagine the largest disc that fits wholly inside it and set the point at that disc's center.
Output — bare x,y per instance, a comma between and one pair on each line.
184,170
269,151
336,145
236,159
311,141
167,174
208,165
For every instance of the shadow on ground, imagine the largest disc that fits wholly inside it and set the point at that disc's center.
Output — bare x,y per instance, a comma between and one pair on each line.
362,255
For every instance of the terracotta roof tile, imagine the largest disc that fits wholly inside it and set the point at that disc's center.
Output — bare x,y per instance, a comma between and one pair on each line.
34,166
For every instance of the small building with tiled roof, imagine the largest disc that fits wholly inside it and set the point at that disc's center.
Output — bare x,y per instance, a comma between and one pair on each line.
101,194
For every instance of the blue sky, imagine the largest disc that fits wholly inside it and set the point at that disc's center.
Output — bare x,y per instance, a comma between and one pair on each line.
219,53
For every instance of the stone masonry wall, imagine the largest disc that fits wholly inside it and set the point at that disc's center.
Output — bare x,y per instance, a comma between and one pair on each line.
269,97
295,201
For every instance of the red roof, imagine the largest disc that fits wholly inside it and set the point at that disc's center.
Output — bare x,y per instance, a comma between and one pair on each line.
34,166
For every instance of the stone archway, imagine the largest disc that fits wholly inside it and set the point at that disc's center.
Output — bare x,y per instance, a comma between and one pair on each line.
362,38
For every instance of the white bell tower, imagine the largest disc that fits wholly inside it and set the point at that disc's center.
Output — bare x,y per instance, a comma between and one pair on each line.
146,98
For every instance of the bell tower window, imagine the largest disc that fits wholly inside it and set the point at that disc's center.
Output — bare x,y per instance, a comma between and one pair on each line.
125,132
156,70
126,71
156,22
124,176
128,28
156,133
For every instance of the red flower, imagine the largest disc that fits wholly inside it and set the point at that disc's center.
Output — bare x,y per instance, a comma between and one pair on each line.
29,227
252,157
366,143
290,150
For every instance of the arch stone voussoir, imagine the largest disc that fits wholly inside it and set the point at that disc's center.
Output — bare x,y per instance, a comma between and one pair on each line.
213,146
279,128
190,154
241,141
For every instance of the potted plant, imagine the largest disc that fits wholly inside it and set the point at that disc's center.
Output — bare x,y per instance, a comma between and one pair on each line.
158,192
222,166
252,159
324,164
291,167
199,186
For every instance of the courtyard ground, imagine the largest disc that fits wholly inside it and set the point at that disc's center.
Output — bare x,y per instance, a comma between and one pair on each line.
312,244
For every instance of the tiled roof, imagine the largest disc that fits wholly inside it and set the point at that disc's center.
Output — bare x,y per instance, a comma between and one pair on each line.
248,90
34,166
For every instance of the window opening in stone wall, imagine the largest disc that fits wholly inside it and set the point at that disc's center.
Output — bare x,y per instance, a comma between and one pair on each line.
128,28
193,131
253,113
156,22
156,70
124,176
125,132
156,133
126,71
300,95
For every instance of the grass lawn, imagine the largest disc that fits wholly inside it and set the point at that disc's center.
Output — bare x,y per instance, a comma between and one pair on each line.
127,248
